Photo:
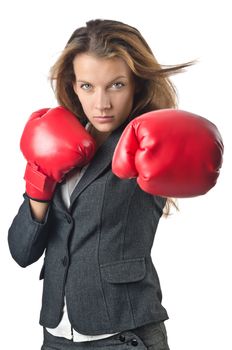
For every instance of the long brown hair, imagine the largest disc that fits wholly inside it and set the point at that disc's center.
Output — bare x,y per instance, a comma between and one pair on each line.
109,38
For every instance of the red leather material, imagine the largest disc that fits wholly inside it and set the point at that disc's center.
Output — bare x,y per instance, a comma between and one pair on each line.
173,153
53,142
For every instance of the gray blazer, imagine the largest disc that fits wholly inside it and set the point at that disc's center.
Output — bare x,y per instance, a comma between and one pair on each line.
97,253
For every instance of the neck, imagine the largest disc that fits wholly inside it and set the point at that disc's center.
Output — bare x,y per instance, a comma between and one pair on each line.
99,137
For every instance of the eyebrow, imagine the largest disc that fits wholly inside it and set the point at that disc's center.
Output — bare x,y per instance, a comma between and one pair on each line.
86,81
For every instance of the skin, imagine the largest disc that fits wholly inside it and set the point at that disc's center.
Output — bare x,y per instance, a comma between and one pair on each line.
105,87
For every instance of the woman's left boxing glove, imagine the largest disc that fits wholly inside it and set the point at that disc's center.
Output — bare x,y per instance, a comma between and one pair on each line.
172,153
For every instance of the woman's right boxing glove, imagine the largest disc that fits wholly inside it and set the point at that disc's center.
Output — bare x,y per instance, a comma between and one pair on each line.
53,143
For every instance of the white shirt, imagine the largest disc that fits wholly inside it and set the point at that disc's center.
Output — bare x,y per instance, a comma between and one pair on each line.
64,328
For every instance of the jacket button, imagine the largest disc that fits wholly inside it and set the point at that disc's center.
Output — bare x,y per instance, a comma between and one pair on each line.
122,338
134,342
64,261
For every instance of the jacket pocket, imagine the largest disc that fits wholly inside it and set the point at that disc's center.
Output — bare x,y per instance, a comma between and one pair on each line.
124,271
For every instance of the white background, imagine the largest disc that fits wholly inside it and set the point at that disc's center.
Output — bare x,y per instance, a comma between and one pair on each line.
192,249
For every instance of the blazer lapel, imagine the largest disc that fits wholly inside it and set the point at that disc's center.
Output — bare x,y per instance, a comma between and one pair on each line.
100,161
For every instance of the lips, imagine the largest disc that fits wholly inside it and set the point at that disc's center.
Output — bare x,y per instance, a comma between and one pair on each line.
104,119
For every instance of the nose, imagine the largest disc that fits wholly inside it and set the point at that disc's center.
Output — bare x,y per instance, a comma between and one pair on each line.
102,100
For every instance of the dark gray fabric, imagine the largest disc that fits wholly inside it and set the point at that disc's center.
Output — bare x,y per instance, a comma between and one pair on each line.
152,336
97,253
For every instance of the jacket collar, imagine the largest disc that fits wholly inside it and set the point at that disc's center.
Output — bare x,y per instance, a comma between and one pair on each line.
101,160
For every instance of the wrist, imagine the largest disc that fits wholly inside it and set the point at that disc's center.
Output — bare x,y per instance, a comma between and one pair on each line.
38,210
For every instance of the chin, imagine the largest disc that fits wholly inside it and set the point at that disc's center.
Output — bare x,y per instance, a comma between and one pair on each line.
105,128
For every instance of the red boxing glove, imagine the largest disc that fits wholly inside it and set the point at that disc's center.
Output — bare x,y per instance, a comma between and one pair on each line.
53,142
172,153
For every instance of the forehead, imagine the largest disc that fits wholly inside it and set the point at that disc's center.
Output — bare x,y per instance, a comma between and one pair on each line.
89,67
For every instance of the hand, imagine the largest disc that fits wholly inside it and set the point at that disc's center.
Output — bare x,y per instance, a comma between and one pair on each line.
172,153
53,142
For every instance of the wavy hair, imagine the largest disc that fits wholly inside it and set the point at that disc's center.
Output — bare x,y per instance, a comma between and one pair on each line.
107,39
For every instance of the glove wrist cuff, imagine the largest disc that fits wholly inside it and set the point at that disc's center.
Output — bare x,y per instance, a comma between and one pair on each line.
38,185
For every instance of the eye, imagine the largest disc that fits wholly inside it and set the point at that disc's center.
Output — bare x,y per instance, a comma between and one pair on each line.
85,86
118,85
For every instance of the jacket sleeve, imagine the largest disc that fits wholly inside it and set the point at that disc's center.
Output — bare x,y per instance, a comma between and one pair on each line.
27,238
160,203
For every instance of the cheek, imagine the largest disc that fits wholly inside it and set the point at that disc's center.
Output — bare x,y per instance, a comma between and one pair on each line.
84,100
127,100
124,99
124,106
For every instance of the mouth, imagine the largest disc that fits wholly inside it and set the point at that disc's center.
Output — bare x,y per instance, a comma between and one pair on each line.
103,119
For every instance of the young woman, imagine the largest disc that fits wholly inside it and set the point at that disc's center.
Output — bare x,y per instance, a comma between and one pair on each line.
94,218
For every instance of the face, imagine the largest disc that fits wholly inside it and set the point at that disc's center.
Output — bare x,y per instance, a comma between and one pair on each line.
105,88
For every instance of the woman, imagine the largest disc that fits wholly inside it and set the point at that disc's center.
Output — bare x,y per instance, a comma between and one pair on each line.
100,285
